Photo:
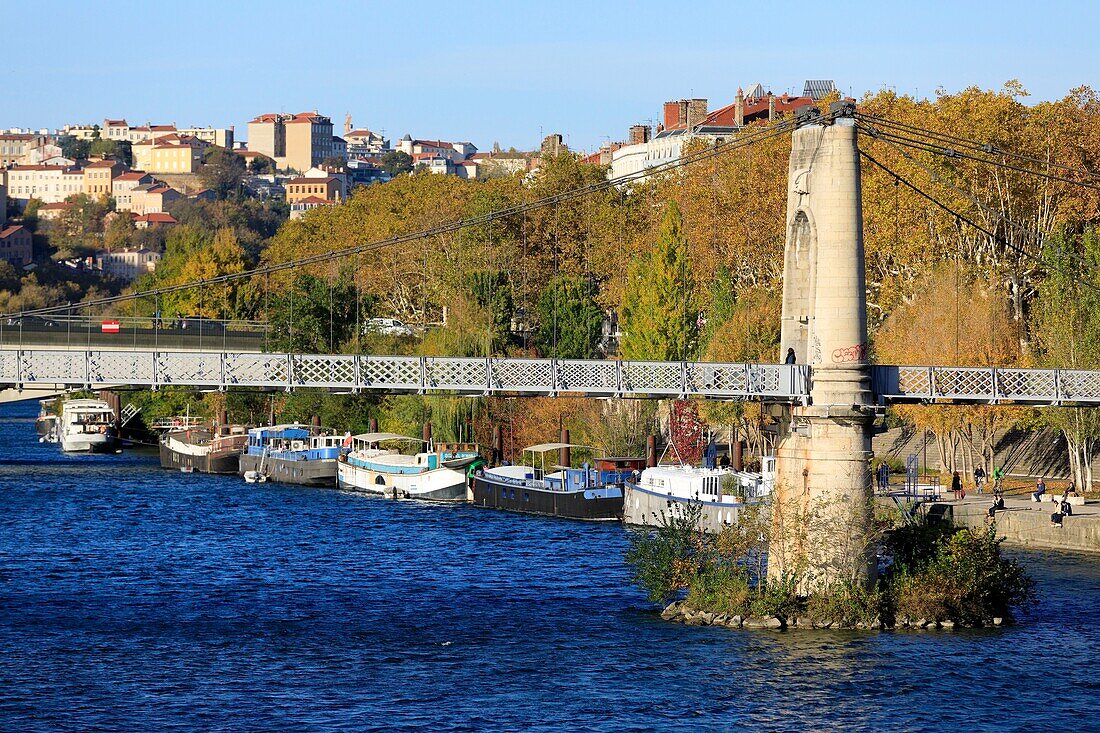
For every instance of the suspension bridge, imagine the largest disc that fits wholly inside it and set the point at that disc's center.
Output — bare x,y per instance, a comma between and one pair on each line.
825,404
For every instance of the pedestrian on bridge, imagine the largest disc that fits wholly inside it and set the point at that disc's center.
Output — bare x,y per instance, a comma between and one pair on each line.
791,358
883,477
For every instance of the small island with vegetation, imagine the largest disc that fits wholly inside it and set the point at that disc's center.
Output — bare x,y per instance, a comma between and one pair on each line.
932,575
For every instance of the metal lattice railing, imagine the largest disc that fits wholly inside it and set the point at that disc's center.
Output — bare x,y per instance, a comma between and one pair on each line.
992,385
350,373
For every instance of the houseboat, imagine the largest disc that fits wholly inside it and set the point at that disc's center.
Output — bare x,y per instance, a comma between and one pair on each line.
722,493
291,454
88,426
46,423
205,450
439,473
573,493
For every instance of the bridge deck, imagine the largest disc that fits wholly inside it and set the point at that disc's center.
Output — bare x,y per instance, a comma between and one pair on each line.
35,368
29,368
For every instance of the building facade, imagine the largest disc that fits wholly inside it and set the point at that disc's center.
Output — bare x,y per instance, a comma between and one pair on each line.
16,245
14,147
50,184
123,185
127,265
297,142
98,177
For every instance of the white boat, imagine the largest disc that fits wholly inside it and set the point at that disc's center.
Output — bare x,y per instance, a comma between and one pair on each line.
437,474
46,423
88,426
255,477
722,493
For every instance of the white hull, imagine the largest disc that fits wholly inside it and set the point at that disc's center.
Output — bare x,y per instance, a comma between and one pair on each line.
89,443
644,507
440,484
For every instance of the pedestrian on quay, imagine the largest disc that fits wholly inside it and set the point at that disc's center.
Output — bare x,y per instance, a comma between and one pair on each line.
998,477
979,478
957,486
1040,489
883,477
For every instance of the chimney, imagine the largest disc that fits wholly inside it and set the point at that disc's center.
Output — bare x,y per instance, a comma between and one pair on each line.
683,111
739,108
639,134
697,112
672,114
771,106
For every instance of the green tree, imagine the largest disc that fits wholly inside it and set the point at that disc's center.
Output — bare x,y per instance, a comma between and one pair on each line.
491,291
313,315
119,150
397,162
1066,331
658,312
75,148
223,172
570,321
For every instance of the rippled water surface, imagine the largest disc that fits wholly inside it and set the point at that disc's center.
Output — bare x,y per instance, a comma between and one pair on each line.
136,599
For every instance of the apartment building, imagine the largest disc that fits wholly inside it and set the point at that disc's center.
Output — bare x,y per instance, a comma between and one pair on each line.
128,264
169,153
99,175
14,146
298,141
152,198
50,184
123,185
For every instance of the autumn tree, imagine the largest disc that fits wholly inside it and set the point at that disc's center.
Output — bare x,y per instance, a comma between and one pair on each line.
955,320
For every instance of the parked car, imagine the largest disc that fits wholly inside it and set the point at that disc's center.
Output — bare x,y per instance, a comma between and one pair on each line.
387,326
208,325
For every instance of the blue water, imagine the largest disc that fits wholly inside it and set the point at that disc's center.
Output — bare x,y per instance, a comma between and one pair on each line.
136,599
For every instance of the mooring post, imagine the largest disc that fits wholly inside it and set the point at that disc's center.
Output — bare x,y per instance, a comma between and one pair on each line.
651,451
564,457
426,435
498,446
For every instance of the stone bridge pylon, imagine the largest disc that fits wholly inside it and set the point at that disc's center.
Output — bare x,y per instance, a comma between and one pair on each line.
821,520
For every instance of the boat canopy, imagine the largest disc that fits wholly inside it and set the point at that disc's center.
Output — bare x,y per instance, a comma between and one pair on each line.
544,447
379,437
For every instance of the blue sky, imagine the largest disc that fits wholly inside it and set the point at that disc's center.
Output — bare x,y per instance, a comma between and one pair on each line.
508,71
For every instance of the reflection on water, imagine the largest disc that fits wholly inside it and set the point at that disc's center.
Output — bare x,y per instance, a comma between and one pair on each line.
133,598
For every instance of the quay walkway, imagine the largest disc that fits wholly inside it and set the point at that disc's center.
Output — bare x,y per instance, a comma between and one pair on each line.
1023,522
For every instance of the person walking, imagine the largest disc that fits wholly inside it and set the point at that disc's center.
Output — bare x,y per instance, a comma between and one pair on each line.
957,486
979,478
883,477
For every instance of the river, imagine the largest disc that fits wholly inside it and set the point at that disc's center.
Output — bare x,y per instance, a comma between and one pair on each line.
137,599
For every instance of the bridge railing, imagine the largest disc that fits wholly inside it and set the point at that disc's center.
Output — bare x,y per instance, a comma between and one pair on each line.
986,384
405,374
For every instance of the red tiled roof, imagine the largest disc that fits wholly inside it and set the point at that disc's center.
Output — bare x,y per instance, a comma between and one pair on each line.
103,164
265,118
314,200
434,144
20,136
56,207
131,176
115,123
157,218
362,133
308,117
73,172
37,168
11,230
160,189
162,128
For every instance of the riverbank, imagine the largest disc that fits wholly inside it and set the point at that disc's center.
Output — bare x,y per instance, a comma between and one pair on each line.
1025,523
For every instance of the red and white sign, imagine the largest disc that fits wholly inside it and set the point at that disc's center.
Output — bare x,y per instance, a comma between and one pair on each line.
110,326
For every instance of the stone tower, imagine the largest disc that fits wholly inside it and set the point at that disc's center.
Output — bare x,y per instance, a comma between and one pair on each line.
823,484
